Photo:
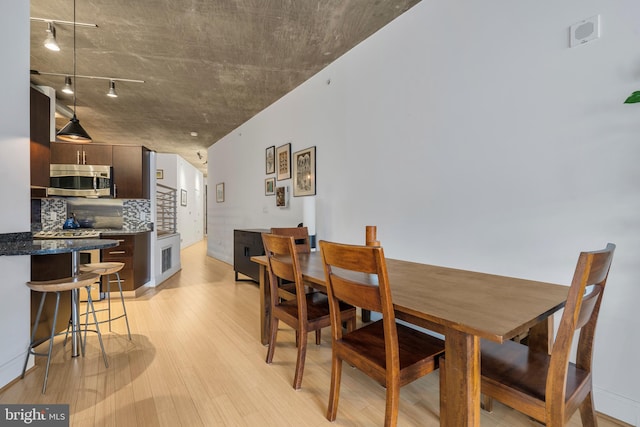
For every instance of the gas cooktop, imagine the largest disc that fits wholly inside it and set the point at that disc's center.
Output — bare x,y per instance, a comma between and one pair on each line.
67,234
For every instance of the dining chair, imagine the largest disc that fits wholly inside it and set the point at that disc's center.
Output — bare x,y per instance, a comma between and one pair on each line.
549,387
307,312
389,352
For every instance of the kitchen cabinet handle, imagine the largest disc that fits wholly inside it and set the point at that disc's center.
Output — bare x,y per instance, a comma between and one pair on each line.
116,252
84,157
77,157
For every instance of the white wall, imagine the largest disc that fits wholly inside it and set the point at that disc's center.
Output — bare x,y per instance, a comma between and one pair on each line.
14,187
473,137
181,175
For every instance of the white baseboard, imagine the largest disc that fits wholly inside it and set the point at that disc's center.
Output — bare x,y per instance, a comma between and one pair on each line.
616,406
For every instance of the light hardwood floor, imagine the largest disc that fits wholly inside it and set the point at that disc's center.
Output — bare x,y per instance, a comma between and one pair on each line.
196,360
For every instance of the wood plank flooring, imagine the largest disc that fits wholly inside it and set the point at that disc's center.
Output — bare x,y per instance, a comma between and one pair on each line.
196,360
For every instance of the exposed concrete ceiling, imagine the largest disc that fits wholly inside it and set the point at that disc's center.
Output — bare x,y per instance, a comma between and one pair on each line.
208,65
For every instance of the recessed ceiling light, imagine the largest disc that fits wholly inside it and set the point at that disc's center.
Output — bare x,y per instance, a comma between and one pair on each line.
194,133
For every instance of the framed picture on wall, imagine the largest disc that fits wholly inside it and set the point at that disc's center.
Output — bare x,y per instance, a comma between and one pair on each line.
183,197
304,172
269,186
283,161
270,159
220,192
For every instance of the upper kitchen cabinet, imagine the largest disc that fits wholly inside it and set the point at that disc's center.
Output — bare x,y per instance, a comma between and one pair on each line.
39,129
131,171
81,154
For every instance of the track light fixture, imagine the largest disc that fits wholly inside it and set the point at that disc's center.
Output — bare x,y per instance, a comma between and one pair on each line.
68,83
68,88
112,89
50,42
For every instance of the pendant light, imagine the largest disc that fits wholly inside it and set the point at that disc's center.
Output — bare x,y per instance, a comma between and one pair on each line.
73,131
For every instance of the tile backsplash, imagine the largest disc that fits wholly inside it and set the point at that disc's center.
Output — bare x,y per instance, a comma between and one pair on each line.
125,214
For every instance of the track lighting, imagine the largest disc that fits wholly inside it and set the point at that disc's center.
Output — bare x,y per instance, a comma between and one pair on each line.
50,42
68,88
112,89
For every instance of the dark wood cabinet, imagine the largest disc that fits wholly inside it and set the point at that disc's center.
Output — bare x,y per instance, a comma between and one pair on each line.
50,267
133,250
131,171
40,122
247,243
81,154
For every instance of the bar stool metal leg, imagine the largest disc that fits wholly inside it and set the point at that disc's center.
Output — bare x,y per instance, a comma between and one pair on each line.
124,309
95,319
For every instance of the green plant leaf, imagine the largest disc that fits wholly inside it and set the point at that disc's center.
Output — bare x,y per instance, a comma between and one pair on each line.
633,98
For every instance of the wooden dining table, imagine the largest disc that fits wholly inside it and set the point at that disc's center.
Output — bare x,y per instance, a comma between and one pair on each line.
464,306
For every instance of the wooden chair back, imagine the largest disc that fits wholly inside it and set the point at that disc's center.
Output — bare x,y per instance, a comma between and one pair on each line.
300,236
580,313
283,264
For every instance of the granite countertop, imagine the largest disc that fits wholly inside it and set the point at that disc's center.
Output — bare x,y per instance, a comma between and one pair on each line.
24,244
121,232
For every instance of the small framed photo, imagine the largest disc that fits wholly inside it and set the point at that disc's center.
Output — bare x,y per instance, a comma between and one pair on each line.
269,186
304,172
183,197
220,192
283,161
282,196
270,159
159,173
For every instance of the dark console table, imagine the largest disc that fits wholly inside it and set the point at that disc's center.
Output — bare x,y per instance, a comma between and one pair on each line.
247,243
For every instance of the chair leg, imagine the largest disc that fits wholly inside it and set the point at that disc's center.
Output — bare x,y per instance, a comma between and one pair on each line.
318,336
393,400
53,334
272,339
587,413
33,333
334,392
302,354
95,319
486,403
124,309
109,299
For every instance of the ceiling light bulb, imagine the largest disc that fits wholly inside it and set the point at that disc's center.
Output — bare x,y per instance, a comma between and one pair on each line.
50,42
68,88
112,89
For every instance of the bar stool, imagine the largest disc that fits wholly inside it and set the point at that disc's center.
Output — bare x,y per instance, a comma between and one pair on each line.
58,286
108,269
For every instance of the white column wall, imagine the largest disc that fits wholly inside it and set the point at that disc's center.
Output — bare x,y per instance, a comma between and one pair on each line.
473,137
14,187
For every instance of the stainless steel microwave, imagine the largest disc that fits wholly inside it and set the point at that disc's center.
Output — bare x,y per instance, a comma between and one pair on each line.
80,180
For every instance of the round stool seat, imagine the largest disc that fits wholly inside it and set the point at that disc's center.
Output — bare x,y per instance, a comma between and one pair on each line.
102,268
65,284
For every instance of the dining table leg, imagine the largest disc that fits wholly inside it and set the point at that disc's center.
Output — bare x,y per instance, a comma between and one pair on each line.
462,353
